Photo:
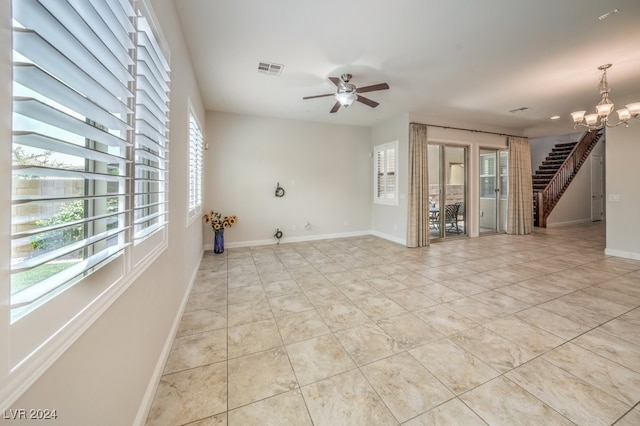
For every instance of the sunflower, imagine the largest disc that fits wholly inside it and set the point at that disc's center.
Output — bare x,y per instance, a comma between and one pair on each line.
219,222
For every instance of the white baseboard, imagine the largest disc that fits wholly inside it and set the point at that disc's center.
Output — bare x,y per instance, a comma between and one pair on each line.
285,239
149,394
568,223
622,253
390,238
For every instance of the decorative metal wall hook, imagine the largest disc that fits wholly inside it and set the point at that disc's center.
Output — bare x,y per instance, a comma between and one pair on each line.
279,190
278,235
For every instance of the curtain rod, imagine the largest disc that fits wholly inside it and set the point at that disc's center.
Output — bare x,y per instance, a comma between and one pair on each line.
468,130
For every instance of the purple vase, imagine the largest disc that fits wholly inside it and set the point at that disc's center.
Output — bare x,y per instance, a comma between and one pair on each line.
218,241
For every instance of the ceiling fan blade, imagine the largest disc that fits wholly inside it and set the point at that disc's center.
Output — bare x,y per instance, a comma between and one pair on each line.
381,86
318,96
367,101
336,81
335,108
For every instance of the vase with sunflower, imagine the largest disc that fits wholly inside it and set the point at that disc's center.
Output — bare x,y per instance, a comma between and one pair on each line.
219,223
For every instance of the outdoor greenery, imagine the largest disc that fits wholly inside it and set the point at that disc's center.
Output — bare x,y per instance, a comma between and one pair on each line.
68,212
26,279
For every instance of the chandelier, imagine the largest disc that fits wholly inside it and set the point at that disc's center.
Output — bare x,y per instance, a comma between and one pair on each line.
600,118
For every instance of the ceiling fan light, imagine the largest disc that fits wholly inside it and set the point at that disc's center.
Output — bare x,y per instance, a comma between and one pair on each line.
591,119
634,108
578,116
346,99
623,114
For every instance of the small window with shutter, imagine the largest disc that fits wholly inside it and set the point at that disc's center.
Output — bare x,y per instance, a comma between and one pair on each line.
386,173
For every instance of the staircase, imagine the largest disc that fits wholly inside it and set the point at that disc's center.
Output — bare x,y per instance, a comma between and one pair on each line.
556,173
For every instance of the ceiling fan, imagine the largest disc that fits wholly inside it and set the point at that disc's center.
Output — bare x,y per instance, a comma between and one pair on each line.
348,93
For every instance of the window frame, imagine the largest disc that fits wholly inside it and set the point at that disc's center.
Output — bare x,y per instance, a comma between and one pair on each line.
195,166
380,179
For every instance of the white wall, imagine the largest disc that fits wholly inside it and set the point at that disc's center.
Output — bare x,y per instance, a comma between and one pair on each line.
389,221
325,170
623,177
108,375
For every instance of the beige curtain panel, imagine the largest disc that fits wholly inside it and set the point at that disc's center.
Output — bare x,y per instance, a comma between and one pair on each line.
418,202
520,204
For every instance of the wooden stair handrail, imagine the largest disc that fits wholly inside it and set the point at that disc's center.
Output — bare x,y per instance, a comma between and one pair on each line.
549,196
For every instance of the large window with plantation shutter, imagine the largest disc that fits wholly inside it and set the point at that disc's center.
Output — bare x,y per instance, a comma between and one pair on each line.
72,109
89,160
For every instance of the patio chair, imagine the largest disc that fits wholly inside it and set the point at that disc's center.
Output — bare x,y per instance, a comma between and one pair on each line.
451,217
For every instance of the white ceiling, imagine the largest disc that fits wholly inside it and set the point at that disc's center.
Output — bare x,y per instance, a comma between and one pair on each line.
454,61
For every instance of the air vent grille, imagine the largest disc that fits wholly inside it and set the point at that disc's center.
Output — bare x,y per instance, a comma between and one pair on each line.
521,109
270,68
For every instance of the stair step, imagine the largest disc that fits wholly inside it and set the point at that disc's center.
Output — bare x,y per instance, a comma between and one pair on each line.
556,155
557,161
571,144
549,167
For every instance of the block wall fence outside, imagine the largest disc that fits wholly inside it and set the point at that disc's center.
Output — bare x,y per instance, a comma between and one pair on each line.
455,193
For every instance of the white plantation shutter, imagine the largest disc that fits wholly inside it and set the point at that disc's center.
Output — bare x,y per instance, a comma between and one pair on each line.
385,169
390,173
195,166
151,140
380,178
89,170
72,131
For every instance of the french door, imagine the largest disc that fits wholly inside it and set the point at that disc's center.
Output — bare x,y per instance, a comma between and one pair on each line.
447,191
494,175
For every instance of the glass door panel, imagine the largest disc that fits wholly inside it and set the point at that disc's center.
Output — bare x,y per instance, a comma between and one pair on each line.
447,190
493,190
434,158
503,190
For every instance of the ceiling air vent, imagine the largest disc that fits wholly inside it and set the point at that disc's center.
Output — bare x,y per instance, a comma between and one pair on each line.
270,68
517,110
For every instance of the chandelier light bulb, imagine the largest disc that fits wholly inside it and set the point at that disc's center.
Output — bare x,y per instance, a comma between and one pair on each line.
578,116
591,119
623,114
634,109
604,110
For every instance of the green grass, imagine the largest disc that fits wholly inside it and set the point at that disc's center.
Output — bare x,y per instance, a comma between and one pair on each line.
31,277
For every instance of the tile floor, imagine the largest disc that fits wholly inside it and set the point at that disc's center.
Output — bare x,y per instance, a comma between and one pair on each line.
499,330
